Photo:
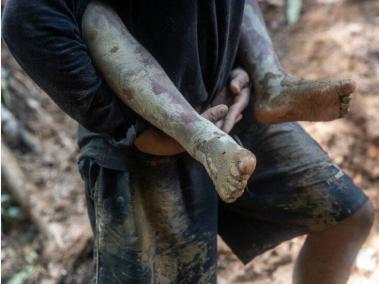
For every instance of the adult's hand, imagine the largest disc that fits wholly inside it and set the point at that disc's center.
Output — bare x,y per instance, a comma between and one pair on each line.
236,96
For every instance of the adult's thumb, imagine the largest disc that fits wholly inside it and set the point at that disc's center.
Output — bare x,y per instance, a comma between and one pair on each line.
215,113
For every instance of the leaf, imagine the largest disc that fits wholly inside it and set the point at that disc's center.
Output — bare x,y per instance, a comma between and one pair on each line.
6,96
5,198
31,256
293,10
14,213
22,276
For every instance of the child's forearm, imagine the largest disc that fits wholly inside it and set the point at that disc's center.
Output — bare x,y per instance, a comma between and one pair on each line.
138,79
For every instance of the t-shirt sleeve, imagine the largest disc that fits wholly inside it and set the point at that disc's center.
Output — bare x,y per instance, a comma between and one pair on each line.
45,38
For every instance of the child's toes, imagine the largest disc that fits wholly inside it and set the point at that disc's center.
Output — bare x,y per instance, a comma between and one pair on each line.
234,183
247,165
346,99
235,193
344,109
235,196
231,196
346,87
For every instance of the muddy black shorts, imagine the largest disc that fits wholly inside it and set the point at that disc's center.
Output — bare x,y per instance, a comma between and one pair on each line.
157,221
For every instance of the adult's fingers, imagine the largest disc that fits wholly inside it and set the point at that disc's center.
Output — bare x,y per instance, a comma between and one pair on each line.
239,79
219,123
236,109
222,98
230,119
215,113
239,117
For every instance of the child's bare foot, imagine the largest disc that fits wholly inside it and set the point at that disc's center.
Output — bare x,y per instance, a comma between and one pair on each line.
228,165
282,99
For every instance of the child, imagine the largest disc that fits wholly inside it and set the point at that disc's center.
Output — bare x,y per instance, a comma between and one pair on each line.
141,83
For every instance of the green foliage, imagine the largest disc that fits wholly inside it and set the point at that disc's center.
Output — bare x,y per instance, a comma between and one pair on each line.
22,276
6,95
31,256
293,10
9,212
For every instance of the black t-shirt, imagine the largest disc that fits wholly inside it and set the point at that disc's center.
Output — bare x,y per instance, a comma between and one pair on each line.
195,41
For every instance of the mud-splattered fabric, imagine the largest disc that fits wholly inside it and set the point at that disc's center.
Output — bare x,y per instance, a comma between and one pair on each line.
157,221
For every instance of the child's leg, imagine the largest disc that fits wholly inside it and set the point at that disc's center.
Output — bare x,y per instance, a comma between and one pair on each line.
279,97
141,83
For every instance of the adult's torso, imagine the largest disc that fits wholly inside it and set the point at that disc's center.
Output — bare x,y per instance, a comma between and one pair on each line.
194,41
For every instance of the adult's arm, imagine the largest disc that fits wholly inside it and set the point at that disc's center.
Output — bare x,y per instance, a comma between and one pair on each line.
45,38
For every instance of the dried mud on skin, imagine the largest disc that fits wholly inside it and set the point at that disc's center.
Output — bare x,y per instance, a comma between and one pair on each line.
315,48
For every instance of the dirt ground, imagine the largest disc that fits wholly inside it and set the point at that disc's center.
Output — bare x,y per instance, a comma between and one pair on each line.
332,39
